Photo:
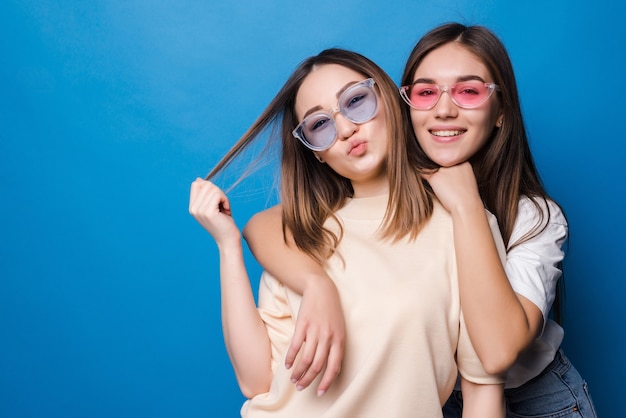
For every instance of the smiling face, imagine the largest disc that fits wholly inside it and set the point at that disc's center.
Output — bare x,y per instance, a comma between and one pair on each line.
447,133
360,151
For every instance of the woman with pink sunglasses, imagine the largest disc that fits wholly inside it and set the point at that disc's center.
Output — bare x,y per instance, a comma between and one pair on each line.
462,100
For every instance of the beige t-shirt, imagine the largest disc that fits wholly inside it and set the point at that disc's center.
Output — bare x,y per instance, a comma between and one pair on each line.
404,330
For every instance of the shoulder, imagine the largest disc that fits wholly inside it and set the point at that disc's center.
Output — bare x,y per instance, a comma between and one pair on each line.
275,212
539,219
532,209
259,220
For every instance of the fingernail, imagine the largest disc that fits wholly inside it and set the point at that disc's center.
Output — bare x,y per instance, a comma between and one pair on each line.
320,392
288,366
294,380
299,387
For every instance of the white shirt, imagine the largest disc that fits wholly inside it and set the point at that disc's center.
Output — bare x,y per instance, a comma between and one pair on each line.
533,271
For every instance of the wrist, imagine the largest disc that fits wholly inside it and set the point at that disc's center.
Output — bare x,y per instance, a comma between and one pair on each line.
230,246
315,281
468,208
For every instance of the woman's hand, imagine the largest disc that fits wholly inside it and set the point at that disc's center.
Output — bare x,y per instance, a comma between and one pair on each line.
455,186
211,208
320,326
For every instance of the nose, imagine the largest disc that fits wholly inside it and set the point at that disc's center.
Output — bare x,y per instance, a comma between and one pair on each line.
345,127
445,107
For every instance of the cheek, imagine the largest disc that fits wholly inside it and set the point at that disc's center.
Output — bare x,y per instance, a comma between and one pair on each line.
420,131
418,119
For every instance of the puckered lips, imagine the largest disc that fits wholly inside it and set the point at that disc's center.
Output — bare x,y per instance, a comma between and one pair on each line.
357,148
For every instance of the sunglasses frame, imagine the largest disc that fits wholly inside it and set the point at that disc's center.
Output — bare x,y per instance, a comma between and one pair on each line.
446,88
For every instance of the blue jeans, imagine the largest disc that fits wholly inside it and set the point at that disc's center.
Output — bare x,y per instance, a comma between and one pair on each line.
558,392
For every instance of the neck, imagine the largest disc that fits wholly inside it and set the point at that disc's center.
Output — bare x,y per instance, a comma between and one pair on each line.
371,188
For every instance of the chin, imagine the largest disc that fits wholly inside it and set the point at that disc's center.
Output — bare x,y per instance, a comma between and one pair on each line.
445,157
448,162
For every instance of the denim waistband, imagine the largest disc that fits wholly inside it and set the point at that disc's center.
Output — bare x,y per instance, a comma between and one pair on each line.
560,365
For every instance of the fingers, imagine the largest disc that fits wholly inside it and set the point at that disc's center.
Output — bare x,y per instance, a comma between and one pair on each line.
317,354
314,355
198,193
206,196
333,367
211,208
301,373
294,348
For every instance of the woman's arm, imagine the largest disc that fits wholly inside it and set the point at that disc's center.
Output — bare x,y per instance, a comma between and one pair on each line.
245,334
482,400
500,322
320,322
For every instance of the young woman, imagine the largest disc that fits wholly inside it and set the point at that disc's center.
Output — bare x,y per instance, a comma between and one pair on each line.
352,202
465,113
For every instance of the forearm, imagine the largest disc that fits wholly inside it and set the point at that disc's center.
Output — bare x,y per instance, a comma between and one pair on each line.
482,401
499,322
245,334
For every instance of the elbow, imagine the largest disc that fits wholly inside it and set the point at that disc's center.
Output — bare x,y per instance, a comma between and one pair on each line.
498,363
254,382
504,350
254,389
250,392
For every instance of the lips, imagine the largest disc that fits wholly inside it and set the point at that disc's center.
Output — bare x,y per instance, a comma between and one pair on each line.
358,148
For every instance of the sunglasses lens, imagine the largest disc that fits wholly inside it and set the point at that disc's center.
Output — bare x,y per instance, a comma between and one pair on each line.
422,96
317,131
358,103
470,93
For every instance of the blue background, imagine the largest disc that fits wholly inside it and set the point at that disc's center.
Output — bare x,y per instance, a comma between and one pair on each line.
109,294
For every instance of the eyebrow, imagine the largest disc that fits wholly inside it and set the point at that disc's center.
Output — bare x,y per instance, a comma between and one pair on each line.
338,95
461,78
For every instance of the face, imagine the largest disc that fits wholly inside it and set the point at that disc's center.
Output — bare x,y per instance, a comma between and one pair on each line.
448,133
360,151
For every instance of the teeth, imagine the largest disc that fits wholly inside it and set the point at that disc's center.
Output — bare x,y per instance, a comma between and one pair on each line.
446,133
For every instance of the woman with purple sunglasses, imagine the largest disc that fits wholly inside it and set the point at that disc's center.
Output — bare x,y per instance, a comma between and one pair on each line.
355,201
461,96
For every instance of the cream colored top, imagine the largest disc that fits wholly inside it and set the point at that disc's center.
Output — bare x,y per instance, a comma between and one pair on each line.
403,319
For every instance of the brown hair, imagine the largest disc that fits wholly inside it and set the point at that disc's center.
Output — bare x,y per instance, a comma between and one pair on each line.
311,192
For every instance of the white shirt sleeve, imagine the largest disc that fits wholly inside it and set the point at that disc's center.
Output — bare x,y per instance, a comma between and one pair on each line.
533,266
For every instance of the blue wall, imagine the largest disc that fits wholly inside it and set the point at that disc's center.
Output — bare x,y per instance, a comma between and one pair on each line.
109,295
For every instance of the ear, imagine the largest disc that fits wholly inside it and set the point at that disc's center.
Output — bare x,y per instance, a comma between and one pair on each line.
499,121
320,159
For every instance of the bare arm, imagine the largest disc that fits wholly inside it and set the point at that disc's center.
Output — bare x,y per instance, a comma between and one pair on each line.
500,322
320,328
245,334
482,401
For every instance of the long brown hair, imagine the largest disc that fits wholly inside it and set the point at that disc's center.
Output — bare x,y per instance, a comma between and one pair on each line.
310,191
504,168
